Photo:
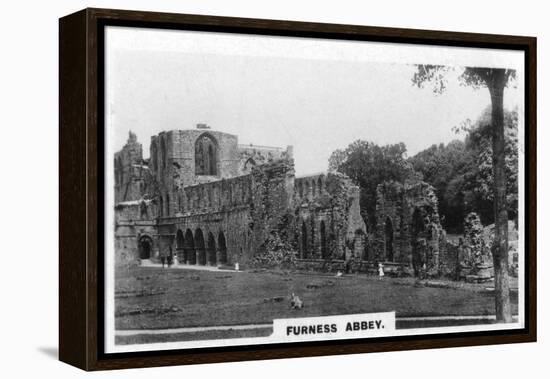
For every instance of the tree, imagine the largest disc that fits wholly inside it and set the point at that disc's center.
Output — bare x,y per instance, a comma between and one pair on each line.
368,165
462,171
448,168
479,141
495,80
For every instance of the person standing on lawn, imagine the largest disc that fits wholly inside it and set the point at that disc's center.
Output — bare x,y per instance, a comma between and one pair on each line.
380,270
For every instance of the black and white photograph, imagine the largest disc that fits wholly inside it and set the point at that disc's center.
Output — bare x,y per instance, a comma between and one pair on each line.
273,189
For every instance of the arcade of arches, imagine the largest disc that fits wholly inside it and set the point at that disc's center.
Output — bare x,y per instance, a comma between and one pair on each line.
195,248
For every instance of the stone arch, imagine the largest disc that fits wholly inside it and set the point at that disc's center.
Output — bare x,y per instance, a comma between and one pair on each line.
206,155
167,204
313,188
320,185
189,248
222,248
388,239
145,247
324,250
180,246
248,165
211,249
301,188
200,247
305,244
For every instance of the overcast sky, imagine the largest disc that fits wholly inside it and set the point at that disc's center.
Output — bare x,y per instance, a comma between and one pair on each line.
317,95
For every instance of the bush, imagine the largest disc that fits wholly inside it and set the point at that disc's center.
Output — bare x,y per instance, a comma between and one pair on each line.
275,252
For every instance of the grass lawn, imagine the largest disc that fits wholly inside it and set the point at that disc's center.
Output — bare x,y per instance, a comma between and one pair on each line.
154,298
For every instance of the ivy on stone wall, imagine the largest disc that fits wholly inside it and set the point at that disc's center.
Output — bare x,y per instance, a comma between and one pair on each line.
473,238
275,252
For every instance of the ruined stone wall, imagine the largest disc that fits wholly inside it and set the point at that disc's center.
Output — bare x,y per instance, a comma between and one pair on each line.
220,208
172,157
173,164
416,234
253,155
312,211
128,234
131,174
390,211
134,220
328,221
272,203
143,209
211,197
222,222
230,217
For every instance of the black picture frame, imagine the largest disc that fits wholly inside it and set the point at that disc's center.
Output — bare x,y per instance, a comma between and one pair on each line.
81,153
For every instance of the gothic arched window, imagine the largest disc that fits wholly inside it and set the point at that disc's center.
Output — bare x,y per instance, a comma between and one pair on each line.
206,155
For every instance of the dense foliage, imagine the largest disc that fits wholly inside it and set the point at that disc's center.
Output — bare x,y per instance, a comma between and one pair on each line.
275,253
460,171
368,165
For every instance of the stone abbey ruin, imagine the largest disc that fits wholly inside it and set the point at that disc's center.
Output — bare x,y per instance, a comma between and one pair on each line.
203,199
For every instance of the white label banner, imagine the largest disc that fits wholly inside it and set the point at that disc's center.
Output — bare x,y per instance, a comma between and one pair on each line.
335,327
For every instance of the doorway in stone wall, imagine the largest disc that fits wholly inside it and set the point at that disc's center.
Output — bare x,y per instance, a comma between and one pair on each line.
145,247
200,247
211,250
189,248
222,247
